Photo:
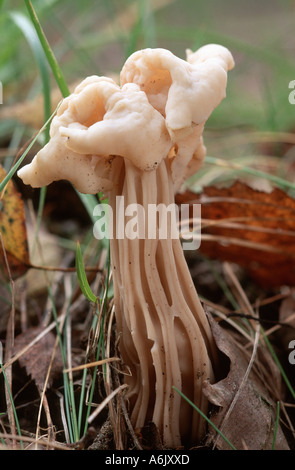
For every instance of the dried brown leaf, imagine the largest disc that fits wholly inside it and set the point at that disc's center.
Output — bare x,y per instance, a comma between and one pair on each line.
13,230
254,229
38,358
251,422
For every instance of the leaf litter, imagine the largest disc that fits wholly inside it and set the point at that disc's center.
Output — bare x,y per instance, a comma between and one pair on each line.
246,408
42,358
255,229
245,227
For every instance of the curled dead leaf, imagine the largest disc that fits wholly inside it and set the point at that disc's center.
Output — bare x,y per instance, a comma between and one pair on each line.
41,356
252,228
246,409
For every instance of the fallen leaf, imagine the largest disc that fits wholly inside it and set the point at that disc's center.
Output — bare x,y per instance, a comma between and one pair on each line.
250,424
13,230
252,228
37,359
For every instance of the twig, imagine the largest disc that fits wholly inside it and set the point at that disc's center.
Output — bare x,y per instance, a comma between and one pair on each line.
90,269
53,445
92,364
105,402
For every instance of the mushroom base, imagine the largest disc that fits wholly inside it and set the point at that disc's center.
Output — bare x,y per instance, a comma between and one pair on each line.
164,336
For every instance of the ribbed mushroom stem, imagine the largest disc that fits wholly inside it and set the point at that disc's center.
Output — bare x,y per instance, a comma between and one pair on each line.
165,339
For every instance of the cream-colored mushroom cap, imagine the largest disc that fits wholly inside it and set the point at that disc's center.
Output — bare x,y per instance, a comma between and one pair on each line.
185,92
159,111
98,122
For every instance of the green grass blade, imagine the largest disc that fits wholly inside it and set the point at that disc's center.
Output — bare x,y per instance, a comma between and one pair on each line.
276,426
56,70
277,361
100,345
82,278
89,201
147,22
82,396
143,29
23,156
23,23
12,402
206,418
29,32
70,406
280,182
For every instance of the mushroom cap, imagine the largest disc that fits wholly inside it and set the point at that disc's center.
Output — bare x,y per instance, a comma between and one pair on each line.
158,111
95,124
185,92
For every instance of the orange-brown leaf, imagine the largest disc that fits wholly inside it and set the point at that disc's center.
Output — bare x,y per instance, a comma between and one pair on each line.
13,229
252,228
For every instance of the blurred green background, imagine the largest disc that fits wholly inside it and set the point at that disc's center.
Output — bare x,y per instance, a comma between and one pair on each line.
95,37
